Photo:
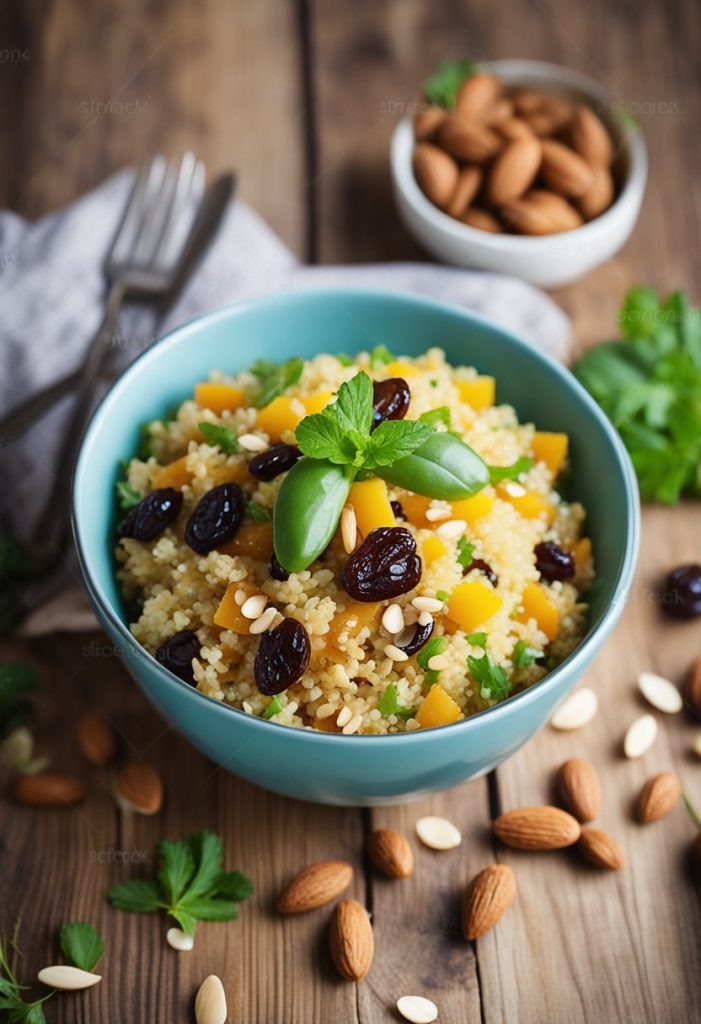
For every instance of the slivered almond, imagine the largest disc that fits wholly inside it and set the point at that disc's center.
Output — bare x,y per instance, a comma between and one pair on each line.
658,691
640,736
513,171
210,1002
658,796
315,886
589,137
488,897
417,1009
96,739
563,170
49,789
579,788
576,711
352,940
477,96
537,828
438,833
601,849
139,788
67,978
390,852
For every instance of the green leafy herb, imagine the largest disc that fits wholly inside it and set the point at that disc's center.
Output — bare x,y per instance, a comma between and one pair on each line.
436,645
127,497
436,416
81,944
380,356
222,436
13,1008
433,382
512,472
649,385
477,639
465,552
273,708
442,87
443,595
258,513
344,359
691,811
144,448
275,378
190,884
523,656
494,683
389,704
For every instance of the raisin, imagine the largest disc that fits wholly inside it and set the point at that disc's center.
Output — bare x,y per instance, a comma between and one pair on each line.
681,594
398,510
276,571
177,653
216,518
485,568
384,566
276,460
282,657
390,400
153,513
552,562
422,634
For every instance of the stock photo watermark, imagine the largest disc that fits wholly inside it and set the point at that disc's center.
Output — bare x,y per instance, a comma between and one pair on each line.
99,108
109,855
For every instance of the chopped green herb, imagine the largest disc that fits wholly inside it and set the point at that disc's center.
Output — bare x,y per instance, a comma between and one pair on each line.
380,356
523,656
435,416
258,513
465,552
81,944
443,595
390,706
433,382
477,639
512,472
275,378
443,86
436,645
494,683
222,436
273,708
344,359
127,497
16,1010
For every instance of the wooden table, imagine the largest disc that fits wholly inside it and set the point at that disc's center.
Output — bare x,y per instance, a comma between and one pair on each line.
301,99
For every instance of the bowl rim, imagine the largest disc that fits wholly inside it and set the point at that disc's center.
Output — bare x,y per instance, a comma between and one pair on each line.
632,140
578,657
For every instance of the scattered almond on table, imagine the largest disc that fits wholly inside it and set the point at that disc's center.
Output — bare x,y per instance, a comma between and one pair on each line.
600,849
640,736
352,940
488,897
576,711
658,691
138,787
49,789
315,886
67,978
438,833
417,1009
390,852
658,796
579,789
537,828
96,739
210,1002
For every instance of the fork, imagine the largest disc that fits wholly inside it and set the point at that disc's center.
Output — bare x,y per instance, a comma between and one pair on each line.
144,260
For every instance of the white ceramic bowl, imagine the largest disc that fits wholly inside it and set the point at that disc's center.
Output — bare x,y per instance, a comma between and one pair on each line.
549,260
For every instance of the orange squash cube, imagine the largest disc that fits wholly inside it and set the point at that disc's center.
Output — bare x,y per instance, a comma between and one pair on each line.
437,708
174,474
432,549
537,605
551,449
317,402
529,504
280,415
253,540
219,397
479,393
398,368
471,604
581,552
415,507
371,505
356,616
228,614
474,508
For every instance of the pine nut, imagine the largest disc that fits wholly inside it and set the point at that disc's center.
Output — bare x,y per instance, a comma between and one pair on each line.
451,530
252,443
240,596
425,619
263,622
177,938
349,529
344,716
427,604
353,726
438,662
514,490
434,515
254,607
395,654
393,620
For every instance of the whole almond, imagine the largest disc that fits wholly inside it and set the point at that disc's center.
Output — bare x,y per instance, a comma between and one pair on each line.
210,1002
514,128
537,828
579,788
658,796
352,941
465,191
598,196
67,978
559,109
314,886
477,95
513,171
540,213
489,896
692,690
483,221
426,122
542,123
390,852
49,789
564,170
436,173
601,849
589,137
139,788
96,739
528,101
471,141
503,110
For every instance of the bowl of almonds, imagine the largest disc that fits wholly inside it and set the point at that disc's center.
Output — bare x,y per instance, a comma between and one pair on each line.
519,167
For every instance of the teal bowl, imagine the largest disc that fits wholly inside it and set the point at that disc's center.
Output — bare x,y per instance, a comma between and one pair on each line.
323,767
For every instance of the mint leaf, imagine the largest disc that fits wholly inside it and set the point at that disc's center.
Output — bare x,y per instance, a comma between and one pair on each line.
436,416
320,436
523,656
127,497
477,639
380,356
137,896
389,704
210,908
273,708
341,431
258,513
353,405
222,436
233,885
512,472
81,944
393,440
465,552
177,868
275,378
208,853
494,683
442,87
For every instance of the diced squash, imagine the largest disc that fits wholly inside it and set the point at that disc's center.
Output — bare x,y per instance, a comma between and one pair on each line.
253,540
537,605
226,474
550,449
432,549
474,508
327,724
397,368
228,614
581,551
348,623
220,397
437,708
479,392
415,507
529,504
472,603
283,413
371,505
317,402
175,474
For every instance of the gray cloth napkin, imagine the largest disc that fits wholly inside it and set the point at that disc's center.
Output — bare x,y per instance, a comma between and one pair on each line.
51,302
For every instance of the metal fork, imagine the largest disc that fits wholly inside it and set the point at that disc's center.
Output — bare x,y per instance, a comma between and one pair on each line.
144,259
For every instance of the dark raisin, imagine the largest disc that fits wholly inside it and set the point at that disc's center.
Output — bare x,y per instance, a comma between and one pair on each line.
384,566
552,562
422,634
681,594
398,510
485,568
276,460
282,657
276,571
216,518
177,653
390,400
153,513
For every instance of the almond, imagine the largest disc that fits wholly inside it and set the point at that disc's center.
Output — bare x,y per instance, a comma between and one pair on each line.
513,171
601,849
589,137
564,170
465,191
49,789
96,738
598,196
468,140
528,101
537,828
540,213
483,221
210,1002
352,941
488,897
426,122
579,788
139,788
436,173
390,852
503,110
314,886
477,95
692,691
658,796
559,110
514,128
67,978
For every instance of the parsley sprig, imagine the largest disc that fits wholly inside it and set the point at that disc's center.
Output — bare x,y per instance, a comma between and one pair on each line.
12,1003
523,656
493,680
225,437
275,378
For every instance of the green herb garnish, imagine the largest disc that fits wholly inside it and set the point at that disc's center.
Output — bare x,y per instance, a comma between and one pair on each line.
273,708
344,359
494,683
12,1004
190,884
380,356
512,472
275,378
435,416
222,436
436,645
523,656
127,497
81,944
390,706
465,552
477,639
258,513
442,87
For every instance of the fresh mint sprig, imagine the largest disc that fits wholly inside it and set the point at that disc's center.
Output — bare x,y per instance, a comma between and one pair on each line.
81,944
